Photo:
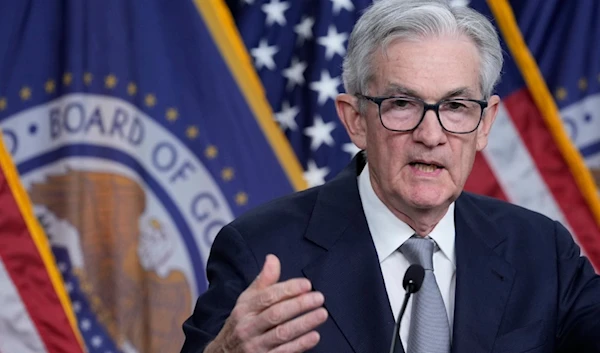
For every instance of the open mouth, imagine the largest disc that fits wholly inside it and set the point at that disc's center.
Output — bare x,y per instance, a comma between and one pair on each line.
426,167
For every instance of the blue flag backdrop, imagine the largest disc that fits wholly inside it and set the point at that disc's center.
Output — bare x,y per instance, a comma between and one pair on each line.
136,144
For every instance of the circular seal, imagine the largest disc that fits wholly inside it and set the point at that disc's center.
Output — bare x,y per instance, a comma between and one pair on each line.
129,210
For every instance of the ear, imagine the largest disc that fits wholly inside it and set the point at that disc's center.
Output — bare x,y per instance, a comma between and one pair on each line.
486,122
347,109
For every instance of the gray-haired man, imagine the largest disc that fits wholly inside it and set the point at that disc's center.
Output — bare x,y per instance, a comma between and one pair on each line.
419,77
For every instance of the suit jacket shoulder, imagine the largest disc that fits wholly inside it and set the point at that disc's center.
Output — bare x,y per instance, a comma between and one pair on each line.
283,217
521,282
508,221
502,212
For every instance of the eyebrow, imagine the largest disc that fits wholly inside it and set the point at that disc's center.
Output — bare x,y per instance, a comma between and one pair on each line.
395,89
460,92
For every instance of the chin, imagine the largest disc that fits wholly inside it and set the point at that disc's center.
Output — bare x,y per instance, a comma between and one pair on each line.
428,199
423,204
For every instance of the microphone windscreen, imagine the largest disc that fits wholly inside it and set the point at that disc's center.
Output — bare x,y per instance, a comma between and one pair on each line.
414,276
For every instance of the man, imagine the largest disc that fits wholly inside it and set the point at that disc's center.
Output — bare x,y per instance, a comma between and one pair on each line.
322,270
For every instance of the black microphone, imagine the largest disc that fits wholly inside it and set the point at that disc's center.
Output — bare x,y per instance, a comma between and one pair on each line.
413,279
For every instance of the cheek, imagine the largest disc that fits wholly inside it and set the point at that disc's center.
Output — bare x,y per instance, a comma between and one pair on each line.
387,152
467,158
463,152
378,142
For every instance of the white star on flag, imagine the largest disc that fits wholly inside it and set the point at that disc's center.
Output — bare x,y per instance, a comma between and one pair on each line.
350,148
320,132
333,42
286,117
249,2
314,175
69,287
342,4
85,324
327,87
295,73
96,341
263,54
274,11
304,29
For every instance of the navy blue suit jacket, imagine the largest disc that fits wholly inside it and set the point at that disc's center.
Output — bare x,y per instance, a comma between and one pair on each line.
521,285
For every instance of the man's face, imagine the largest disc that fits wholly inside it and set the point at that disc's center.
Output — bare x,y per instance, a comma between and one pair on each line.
428,167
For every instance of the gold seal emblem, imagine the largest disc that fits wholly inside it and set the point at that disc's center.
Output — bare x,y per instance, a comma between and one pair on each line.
119,255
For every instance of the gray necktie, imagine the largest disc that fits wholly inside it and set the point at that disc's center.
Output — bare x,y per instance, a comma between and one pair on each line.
429,329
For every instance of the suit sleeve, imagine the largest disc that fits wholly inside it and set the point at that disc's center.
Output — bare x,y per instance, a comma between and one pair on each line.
230,269
579,298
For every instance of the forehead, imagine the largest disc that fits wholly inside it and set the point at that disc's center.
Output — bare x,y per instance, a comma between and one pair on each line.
431,68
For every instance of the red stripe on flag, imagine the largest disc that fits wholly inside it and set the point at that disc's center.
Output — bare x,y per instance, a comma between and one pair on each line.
29,275
483,181
555,172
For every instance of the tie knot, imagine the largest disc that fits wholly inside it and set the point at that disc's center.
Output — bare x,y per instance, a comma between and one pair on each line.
419,250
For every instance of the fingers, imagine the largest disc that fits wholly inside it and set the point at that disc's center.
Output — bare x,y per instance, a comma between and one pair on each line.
294,330
269,274
258,301
264,291
287,310
300,344
274,315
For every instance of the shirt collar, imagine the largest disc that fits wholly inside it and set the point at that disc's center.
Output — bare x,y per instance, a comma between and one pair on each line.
389,232
444,234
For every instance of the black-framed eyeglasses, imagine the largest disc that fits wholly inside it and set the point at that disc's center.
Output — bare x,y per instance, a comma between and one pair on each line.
405,114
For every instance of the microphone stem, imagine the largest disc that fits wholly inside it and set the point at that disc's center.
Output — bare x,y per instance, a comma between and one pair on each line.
400,314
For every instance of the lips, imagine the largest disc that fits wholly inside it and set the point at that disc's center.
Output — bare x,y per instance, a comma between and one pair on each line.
426,166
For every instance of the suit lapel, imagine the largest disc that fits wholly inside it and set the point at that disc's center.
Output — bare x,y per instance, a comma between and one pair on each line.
348,273
483,279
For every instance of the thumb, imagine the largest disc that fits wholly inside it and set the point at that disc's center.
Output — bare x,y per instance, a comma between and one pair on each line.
269,274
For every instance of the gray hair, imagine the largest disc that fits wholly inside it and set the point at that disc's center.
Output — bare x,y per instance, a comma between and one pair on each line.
386,20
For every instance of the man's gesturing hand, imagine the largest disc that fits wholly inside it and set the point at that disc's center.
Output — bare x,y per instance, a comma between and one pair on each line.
272,317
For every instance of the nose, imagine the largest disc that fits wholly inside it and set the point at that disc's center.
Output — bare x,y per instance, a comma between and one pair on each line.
429,132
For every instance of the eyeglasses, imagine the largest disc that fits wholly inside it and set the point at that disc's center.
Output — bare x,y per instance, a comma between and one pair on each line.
404,114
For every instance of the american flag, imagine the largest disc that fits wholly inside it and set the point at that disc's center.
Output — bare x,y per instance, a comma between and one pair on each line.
297,49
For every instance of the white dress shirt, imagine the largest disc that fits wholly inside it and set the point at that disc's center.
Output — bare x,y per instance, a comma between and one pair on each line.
389,233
